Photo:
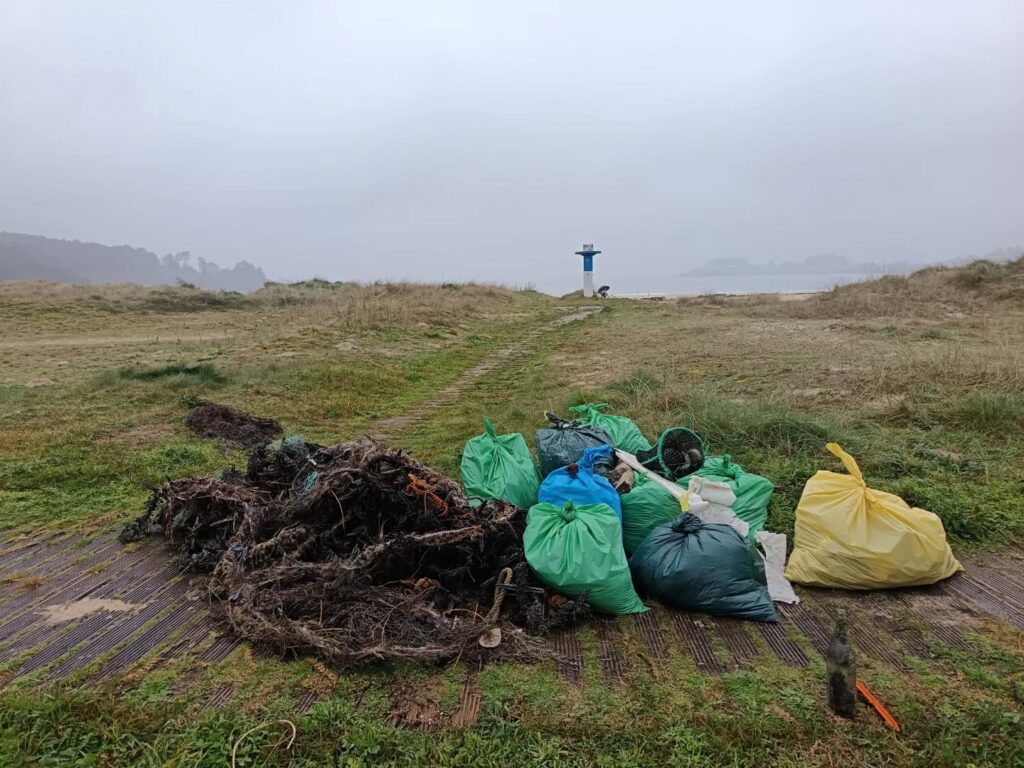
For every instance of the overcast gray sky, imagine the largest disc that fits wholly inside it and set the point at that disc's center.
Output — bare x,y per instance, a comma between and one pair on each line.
455,140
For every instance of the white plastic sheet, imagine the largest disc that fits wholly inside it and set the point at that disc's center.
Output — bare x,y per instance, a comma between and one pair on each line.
774,546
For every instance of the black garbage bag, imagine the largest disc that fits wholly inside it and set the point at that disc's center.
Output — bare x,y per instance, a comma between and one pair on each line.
564,442
705,567
678,452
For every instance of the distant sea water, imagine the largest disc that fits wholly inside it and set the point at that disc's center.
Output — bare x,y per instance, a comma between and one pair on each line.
701,284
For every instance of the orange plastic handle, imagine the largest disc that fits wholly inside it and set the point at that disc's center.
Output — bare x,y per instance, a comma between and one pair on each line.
874,702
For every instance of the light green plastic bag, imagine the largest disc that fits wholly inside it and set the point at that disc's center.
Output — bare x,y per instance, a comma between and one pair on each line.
753,492
624,432
578,548
500,467
644,508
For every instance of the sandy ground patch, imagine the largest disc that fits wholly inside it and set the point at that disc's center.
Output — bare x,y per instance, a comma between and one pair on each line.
107,341
58,614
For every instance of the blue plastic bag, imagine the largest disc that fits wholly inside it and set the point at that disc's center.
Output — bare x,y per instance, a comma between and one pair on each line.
579,484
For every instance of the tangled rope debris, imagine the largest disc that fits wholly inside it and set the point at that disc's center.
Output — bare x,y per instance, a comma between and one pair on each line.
357,553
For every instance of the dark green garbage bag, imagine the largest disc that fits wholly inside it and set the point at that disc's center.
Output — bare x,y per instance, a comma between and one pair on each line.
753,492
623,431
705,567
500,467
577,549
644,508
564,442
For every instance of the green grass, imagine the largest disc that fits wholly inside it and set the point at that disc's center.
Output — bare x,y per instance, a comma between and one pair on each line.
977,493
176,373
995,413
74,466
667,715
929,417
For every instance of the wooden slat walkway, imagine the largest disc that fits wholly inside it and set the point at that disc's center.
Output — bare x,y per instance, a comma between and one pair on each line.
168,622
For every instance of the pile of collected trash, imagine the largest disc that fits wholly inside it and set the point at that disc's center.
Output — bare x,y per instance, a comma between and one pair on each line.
614,517
358,552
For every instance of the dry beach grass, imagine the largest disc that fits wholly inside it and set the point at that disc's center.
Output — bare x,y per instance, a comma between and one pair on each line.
922,378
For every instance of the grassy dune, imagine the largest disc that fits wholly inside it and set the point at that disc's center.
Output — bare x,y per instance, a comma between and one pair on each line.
922,378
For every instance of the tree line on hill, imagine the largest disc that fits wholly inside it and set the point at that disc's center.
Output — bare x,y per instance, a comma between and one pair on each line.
32,257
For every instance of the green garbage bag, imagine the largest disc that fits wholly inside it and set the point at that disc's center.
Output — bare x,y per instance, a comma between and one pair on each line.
705,567
644,508
500,467
578,548
624,432
752,491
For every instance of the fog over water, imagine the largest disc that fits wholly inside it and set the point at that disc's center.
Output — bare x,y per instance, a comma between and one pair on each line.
458,140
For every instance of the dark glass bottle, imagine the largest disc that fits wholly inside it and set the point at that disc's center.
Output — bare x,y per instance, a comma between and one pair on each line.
841,670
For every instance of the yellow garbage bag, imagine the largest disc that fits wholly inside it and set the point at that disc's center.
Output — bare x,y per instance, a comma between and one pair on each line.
853,537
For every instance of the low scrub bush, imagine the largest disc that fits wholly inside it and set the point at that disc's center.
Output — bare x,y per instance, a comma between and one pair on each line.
176,373
989,412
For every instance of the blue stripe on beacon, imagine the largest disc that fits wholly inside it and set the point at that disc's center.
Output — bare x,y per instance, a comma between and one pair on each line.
588,253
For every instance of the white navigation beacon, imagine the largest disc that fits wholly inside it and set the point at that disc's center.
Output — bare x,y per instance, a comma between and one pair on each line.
588,253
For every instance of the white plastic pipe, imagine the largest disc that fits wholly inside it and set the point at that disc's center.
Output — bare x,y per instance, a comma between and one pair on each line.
633,463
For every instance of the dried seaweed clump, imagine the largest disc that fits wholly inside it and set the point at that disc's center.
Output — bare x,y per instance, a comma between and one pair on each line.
221,422
358,553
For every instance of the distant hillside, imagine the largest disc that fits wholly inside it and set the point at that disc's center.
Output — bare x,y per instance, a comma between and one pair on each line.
31,257
832,264
931,292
